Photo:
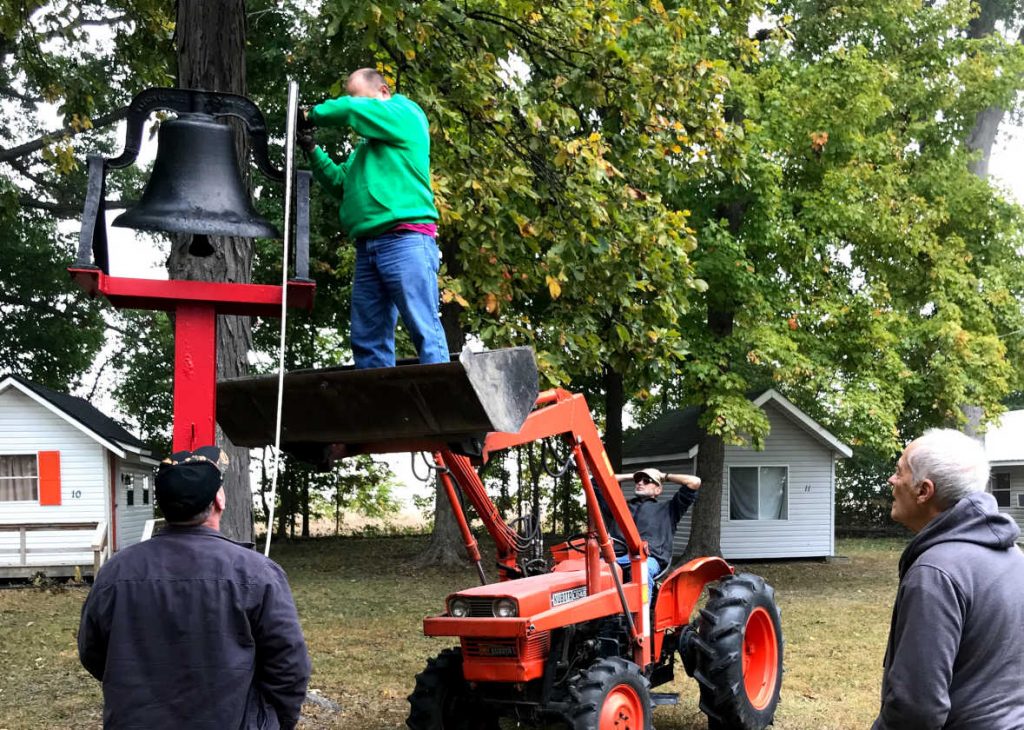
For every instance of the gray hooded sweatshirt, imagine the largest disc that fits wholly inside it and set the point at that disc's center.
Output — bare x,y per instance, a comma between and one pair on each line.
955,658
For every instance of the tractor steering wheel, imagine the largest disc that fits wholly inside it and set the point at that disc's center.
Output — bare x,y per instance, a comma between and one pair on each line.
577,542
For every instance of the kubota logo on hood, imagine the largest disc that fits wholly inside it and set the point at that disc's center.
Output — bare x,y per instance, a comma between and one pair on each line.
573,594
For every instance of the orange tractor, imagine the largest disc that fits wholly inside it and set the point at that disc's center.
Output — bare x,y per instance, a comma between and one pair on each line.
578,640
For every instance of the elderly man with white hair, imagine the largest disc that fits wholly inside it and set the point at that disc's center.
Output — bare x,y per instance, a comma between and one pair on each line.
955,659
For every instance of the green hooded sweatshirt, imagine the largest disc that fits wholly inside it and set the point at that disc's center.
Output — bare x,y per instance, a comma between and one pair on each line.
386,179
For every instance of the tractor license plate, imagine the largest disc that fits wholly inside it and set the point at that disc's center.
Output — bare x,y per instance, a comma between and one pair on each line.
563,597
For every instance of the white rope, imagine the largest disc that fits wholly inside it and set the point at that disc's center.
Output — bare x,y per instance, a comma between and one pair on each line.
289,154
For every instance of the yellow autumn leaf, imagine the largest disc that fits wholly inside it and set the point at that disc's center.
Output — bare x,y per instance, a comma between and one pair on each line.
554,288
410,54
526,229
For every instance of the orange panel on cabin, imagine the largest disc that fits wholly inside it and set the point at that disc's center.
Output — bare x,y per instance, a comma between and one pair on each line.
49,478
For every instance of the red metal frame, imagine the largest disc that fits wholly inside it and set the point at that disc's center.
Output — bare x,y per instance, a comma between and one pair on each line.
196,305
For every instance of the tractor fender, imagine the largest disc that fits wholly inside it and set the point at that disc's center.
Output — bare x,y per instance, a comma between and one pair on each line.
680,590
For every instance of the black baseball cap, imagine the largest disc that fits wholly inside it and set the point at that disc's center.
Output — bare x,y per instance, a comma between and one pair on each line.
187,482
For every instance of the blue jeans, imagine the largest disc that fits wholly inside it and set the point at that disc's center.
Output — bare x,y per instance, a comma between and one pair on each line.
396,273
653,568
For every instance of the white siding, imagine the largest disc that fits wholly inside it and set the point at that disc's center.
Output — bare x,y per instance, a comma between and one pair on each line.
132,520
809,530
26,427
1016,490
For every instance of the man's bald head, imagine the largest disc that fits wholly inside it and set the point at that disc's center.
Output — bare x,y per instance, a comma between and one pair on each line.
368,82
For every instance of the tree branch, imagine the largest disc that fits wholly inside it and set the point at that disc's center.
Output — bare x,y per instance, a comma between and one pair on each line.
13,153
68,209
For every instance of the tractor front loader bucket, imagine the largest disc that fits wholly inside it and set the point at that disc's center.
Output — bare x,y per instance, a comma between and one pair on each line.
343,411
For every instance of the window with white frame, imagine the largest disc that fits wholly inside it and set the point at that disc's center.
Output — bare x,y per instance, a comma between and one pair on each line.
758,492
128,482
1020,499
133,483
1000,486
19,478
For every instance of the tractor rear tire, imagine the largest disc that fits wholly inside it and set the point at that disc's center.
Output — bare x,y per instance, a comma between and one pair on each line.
442,699
611,695
739,654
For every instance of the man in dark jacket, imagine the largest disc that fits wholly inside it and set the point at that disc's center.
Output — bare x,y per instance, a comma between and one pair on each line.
656,521
190,629
954,659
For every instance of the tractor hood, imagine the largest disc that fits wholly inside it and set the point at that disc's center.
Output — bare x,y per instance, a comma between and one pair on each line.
536,594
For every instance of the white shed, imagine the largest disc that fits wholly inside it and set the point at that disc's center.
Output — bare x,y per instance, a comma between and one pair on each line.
776,503
71,478
1004,447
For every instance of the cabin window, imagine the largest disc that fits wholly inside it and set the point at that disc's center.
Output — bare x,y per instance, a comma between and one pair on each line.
1020,499
758,492
128,482
19,478
999,486
999,483
144,478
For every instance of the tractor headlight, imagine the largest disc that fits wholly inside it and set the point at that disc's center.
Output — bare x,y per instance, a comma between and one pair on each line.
458,607
505,608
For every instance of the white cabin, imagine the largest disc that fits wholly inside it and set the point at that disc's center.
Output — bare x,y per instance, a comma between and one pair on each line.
776,503
74,485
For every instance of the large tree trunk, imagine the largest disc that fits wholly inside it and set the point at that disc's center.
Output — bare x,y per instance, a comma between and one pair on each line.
211,55
615,401
706,523
981,140
986,124
445,547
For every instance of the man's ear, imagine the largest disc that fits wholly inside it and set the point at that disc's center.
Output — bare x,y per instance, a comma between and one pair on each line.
220,499
925,491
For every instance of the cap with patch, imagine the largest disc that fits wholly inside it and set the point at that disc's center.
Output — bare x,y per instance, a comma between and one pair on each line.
187,482
654,475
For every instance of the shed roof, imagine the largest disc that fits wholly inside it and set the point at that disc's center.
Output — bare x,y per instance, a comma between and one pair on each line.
80,413
1004,443
676,433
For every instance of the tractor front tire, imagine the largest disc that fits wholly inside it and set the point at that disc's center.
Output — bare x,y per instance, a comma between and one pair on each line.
442,699
611,695
739,654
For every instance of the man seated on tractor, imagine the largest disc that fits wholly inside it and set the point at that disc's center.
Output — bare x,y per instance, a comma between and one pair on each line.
656,521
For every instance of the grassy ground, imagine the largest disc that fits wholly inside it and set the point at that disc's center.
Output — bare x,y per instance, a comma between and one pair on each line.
361,608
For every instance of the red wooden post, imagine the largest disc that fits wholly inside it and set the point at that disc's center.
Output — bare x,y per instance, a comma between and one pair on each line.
195,376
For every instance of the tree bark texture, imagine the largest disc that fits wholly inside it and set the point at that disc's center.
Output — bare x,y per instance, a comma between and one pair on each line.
706,523
445,546
981,139
210,39
615,401
986,124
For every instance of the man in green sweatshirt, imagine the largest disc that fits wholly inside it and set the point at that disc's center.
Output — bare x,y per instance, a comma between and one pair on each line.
387,206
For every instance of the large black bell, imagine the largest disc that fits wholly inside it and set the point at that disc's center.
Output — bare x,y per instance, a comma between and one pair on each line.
195,186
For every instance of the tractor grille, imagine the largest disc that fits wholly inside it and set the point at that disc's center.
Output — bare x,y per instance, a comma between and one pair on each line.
535,647
481,607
